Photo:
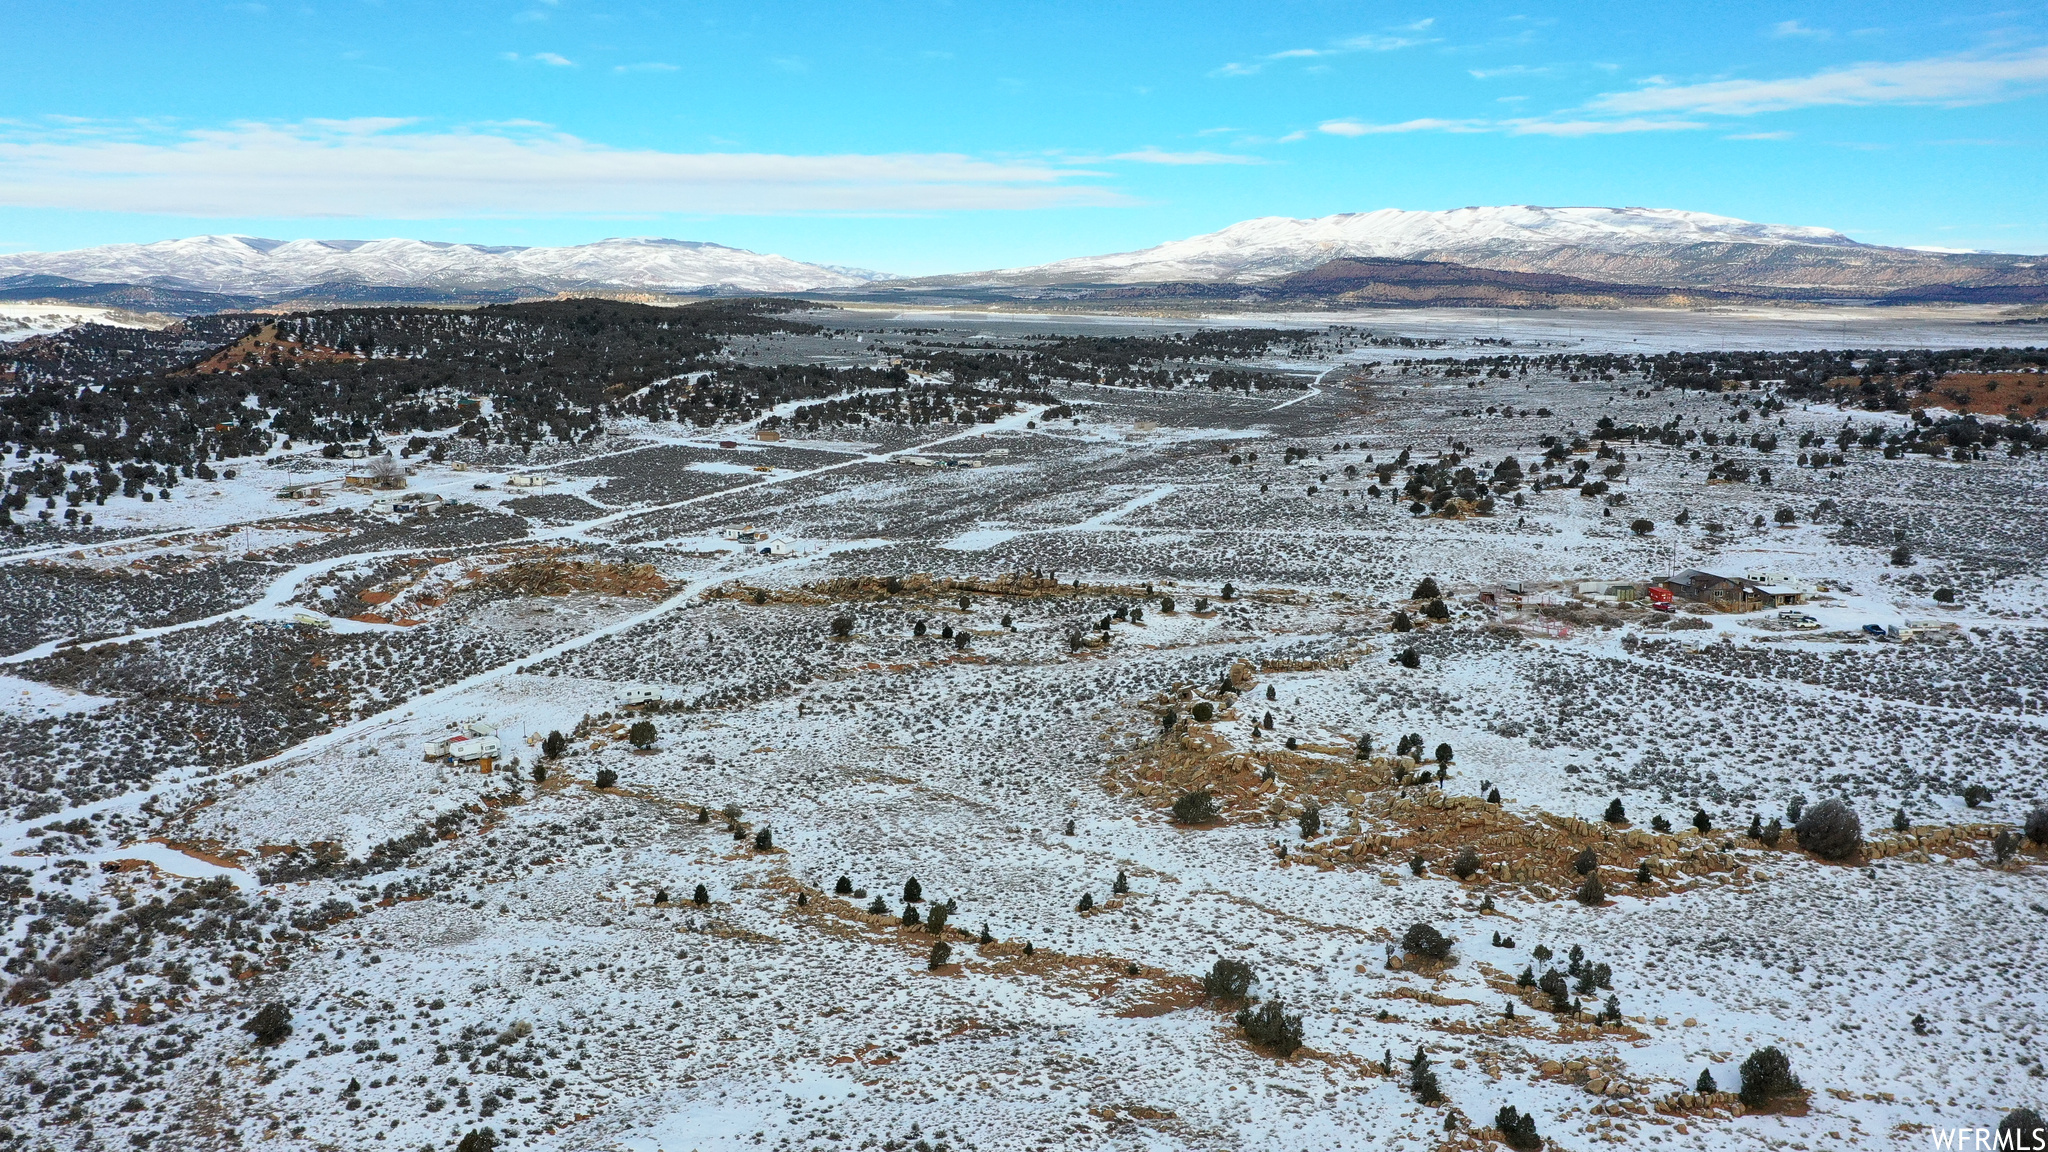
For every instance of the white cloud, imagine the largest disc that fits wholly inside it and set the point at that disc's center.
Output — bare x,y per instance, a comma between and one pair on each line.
1523,126
1546,127
645,66
1151,155
1427,124
1510,70
1951,80
1795,28
1369,42
1235,69
553,60
392,168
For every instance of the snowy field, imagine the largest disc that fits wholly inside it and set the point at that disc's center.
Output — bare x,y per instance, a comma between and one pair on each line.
219,708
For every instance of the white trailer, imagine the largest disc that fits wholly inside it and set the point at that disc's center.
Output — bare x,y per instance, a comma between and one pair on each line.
473,747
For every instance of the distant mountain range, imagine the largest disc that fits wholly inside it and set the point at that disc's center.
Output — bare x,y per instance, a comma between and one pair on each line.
1657,247
1512,256
255,267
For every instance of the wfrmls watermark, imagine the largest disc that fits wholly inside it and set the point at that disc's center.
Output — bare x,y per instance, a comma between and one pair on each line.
1989,1140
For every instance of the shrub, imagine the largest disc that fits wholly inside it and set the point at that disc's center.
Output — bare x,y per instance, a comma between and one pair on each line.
1195,807
1203,712
1772,831
1424,940
2004,845
1166,604
941,952
641,734
1552,984
554,746
1228,980
1701,821
1409,658
1518,1129
1422,1081
1660,824
540,771
1641,527
1977,794
270,1024
1437,610
1591,893
764,840
1466,863
1311,820
701,897
1945,595
1086,902
1616,814
2022,1128
1269,1026
1585,862
2037,824
842,627
1427,590
478,1140
877,906
1402,623
1443,754
844,887
1830,830
606,778
1767,1073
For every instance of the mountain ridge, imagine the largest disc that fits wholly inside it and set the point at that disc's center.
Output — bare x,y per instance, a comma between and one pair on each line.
251,265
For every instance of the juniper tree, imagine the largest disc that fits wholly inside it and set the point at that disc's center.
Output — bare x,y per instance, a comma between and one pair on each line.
1365,752
554,746
844,887
1793,808
1269,1026
703,815
1701,822
1585,862
1086,902
1756,826
764,840
701,897
1270,694
910,916
1424,940
1830,830
270,1024
1592,892
1227,980
1422,1080
1767,1073
1772,831
1437,610
1070,826
941,953
1466,863
606,778
1409,658
1493,796
1426,590
1402,623
1518,1129
1900,823
1612,1012
1660,825
935,921
2022,1128
1615,813
986,936
540,771
1310,820
1552,984
1198,807
1122,884
878,906
912,891
2037,824
1443,755
1705,1084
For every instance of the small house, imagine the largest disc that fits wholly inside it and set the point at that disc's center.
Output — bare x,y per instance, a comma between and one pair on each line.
423,502
311,490
1730,593
528,480
769,435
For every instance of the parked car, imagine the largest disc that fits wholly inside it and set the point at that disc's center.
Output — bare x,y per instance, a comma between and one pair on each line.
1875,630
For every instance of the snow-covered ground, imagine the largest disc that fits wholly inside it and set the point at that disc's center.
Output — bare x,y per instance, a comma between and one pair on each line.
459,949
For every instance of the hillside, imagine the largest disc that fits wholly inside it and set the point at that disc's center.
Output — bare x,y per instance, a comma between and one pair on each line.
1380,283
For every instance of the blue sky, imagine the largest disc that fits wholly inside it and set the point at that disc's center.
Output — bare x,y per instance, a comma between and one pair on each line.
929,137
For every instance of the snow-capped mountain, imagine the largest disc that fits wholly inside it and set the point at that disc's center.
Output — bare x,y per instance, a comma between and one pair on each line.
248,264
1621,245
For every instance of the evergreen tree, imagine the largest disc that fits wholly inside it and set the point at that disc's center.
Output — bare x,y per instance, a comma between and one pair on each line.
1585,862
703,815
764,840
1198,807
1070,826
1767,1073
1443,755
1756,827
878,906
1409,658
1310,820
1123,883
1270,694
1900,823
912,891
1228,980
1269,1026
1493,796
1422,1081
1615,813
641,735
554,746
941,953
1426,590
1518,1129
1705,1084
1643,873
1701,822
540,771
1086,902
701,897
1466,863
935,921
1402,623
1027,947
1772,831
606,778
1365,747
271,1024
478,1140
844,887
910,916
1660,825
